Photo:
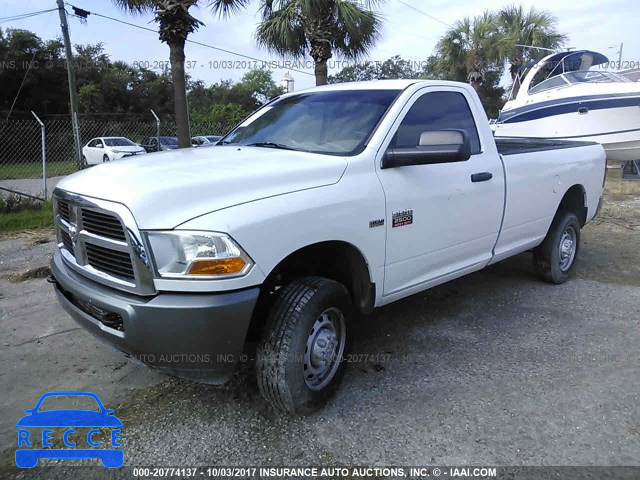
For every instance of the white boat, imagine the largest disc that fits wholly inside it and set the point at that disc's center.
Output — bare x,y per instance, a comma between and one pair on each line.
563,97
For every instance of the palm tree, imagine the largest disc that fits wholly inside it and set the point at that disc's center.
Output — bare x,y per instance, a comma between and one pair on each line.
534,28
470,48
293,28
175,24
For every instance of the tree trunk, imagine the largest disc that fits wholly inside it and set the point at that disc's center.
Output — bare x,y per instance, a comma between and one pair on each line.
176,49
321,72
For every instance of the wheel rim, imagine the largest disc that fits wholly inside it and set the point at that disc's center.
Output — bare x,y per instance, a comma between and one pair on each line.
567,248
324,349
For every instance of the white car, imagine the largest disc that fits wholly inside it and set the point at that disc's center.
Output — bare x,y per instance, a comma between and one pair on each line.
205,140
104,149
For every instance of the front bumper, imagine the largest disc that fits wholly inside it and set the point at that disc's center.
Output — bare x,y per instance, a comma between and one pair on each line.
121,155
199,336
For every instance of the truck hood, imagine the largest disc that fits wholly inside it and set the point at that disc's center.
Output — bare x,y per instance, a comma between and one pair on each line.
163,190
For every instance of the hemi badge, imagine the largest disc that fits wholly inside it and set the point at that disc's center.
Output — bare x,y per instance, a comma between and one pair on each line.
376,223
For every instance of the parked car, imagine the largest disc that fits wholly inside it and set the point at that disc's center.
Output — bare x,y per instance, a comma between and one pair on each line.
321,206
166,143
104,149
205,140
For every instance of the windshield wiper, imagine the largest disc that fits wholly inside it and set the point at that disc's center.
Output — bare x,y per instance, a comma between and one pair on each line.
270,145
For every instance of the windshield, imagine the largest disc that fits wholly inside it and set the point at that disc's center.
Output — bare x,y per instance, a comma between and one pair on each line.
168,140
596,77
329,122
119,142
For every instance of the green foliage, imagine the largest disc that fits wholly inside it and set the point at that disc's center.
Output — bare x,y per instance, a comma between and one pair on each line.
103,86
534,28
294,28
228,103
392,68
474,47
19,213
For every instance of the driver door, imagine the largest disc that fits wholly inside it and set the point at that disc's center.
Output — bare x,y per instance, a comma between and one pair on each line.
442,220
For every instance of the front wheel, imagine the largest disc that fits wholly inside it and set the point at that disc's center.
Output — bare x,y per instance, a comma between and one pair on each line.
105,158
299,361
555,259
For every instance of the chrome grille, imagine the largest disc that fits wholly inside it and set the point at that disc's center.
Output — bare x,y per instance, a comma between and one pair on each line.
101,223
66,241
110,261
63,210
100,240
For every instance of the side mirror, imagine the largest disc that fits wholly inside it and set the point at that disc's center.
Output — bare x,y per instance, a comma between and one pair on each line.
440,146
99,145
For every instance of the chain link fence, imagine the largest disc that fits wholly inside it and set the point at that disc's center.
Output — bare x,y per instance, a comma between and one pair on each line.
32,151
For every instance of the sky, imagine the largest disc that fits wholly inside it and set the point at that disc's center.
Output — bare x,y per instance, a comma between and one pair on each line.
589,24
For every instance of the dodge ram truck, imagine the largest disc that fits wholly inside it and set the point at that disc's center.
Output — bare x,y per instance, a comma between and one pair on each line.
319,207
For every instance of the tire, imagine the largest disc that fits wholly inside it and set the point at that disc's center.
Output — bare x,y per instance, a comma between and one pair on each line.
83,163
307,322
555,258
105,158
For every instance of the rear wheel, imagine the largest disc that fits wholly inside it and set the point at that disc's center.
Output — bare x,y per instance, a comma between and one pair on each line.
555,259
299,361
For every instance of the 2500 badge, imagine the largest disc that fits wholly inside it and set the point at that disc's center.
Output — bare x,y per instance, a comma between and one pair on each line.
402,218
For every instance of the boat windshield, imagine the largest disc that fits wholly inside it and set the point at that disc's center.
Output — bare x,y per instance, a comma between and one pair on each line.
594,77
572,78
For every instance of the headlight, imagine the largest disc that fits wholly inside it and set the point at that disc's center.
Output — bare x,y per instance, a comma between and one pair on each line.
197,254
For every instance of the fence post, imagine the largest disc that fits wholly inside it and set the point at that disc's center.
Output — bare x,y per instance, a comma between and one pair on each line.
157,129
75,123
44,155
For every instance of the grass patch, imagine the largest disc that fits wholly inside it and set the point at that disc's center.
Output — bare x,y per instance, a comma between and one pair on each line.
38,272
619,189
18,213
11,171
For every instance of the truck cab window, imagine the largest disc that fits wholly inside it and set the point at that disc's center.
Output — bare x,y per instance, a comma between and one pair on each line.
436,111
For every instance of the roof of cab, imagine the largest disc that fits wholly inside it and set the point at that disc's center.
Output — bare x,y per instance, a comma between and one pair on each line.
376,85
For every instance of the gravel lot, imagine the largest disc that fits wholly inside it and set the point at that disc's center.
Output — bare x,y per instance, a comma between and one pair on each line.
496,368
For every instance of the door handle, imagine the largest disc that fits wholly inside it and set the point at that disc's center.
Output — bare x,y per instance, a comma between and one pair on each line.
481,177
583,110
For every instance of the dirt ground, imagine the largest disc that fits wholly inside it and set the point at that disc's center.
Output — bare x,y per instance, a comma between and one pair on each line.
494,368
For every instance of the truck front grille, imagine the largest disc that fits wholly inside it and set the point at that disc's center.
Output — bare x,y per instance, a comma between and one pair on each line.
100,240
110,261
63,210
66,241
103,224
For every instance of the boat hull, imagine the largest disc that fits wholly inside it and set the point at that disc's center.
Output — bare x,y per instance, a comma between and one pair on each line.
611,121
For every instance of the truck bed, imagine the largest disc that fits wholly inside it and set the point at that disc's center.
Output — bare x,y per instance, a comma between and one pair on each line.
513,145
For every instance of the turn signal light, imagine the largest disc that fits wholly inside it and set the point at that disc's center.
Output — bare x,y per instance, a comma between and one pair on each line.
220,266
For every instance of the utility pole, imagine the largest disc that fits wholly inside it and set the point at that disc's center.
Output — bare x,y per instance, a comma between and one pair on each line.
71,75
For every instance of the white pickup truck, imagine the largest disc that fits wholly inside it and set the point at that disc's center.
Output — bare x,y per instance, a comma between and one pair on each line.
319,207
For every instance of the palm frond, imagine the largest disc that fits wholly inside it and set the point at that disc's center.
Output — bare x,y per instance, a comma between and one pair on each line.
225,8
136,6
282,31
357,29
